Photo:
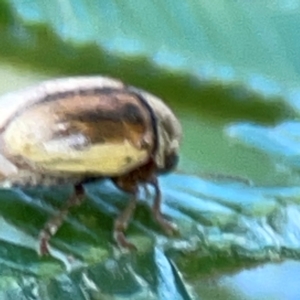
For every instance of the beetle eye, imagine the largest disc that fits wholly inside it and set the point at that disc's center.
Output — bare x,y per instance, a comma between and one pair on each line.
171,162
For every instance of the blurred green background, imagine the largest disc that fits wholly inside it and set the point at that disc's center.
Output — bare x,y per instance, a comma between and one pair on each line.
230,71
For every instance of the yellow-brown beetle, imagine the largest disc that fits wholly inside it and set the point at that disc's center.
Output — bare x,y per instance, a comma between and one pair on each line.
77,130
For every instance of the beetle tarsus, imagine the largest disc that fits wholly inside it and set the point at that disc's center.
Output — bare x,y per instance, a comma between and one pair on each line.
53,225
122,241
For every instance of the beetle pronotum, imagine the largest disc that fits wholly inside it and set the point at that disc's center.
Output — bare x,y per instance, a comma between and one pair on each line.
76,130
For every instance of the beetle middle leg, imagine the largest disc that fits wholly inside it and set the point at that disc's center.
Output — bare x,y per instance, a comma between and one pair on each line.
128,184
169,227
121,224
55,222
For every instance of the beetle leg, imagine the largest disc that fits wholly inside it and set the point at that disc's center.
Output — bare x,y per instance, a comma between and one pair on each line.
169,227
121,224
55,222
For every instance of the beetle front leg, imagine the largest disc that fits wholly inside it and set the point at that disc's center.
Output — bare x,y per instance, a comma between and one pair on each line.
55,222
121,224
169,227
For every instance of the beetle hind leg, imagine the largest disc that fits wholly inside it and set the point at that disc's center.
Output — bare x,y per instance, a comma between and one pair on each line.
56,221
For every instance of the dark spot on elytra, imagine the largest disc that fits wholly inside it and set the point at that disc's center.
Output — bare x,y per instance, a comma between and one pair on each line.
128,160
132,114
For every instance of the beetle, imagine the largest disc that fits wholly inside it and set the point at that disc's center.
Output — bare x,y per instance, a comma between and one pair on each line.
81,129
